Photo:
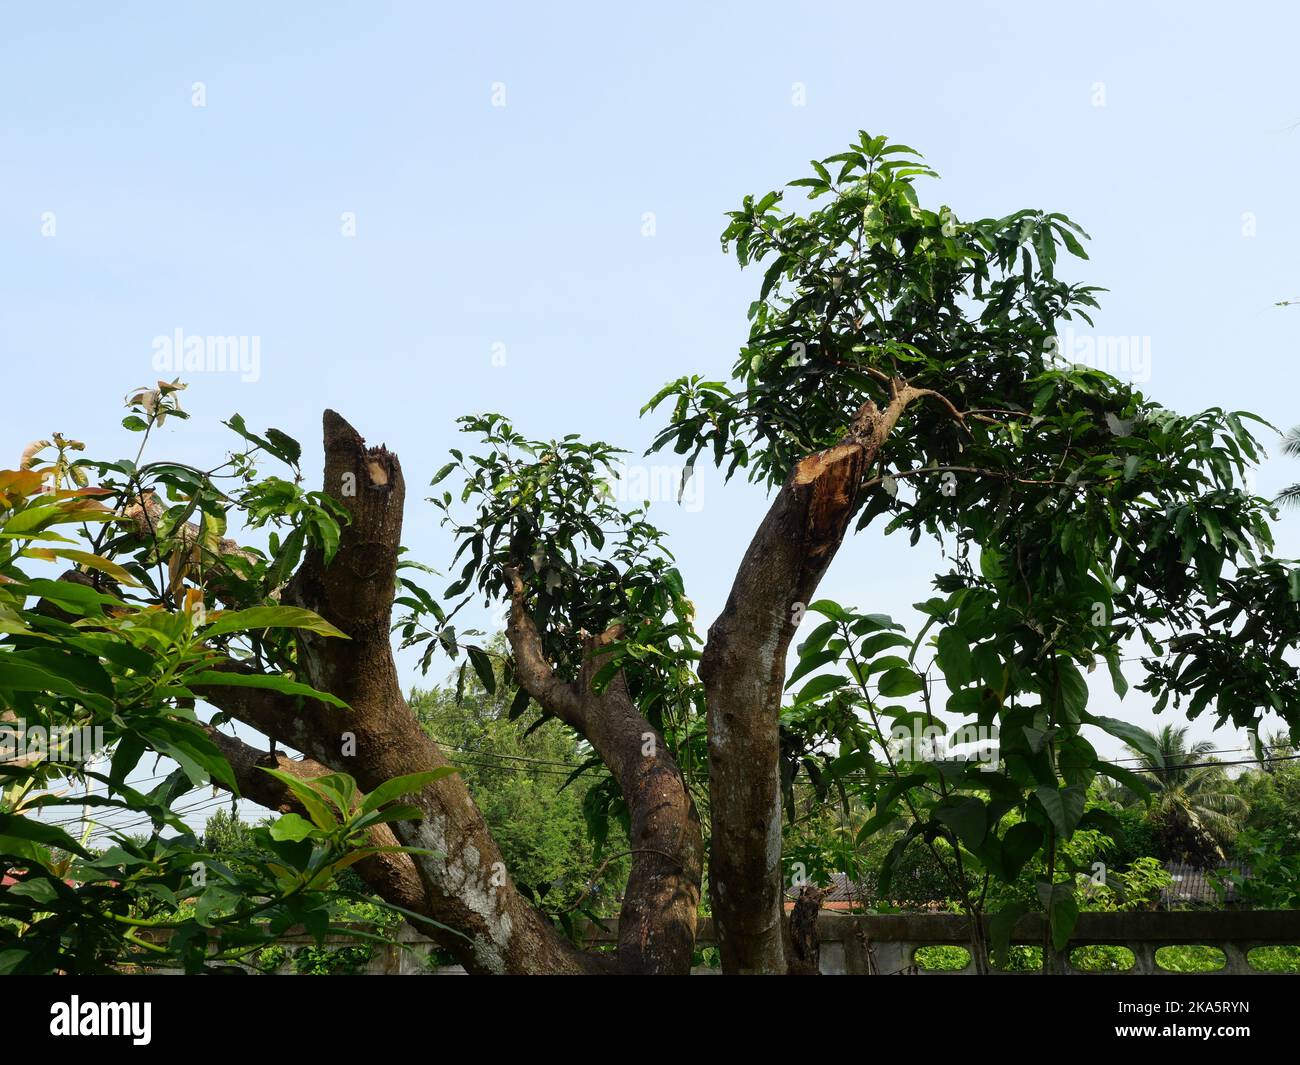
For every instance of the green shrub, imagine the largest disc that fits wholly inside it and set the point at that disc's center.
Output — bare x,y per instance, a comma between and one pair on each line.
327,961
1102,959
943,959
1190,959
1275,959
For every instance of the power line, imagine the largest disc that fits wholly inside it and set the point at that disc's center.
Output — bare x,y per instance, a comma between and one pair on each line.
519,769
565,769
102,831
1156,769
492,754
129,811
133,818
1206,765
1224,750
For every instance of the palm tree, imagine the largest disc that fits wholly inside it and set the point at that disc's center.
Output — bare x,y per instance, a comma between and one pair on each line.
1290,446
1195,811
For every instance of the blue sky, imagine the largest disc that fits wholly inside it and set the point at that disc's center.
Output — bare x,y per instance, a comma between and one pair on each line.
1171,133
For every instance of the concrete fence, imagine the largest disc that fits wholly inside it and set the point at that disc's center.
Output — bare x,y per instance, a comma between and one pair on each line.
883,945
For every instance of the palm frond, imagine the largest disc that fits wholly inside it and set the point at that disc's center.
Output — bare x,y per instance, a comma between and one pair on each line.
1291,441
1289,496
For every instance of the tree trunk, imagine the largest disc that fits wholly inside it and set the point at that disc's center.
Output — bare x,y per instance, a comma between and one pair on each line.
743,669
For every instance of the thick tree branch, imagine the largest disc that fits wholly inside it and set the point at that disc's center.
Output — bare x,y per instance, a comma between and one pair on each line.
463,882
392,876
743,669
190,558
317,729
661,900
464,877
552,694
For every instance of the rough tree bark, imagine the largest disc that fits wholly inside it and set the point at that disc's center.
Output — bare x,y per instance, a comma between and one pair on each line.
463,882
656,930
743,669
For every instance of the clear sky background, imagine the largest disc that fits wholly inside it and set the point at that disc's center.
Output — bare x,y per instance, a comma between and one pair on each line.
1171,132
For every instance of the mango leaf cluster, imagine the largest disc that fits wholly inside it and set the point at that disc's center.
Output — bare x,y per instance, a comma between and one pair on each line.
103,668
870,286
548,510
155,901
1003,785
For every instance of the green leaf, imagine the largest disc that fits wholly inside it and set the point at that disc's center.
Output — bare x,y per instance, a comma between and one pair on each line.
986,665
269,617
278,443
189,745
1117,679
1071,242
482,664
38,889
75,597
954,656
1210,522
810,662
292,827
286,559
895,788
1128,778
1020,843
819,686
1137,738
217,897
1001,926
877,821
1064,806
404,785
1062,910
830,609
285,446
817,638
991,563
896,682
317,809
518,705
16,827
885,880
1077,761
130,749
873,645
389,814
215,679
1074,689
967,816
19,674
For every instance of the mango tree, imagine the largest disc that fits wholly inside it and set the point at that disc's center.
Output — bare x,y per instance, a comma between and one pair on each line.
901,375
